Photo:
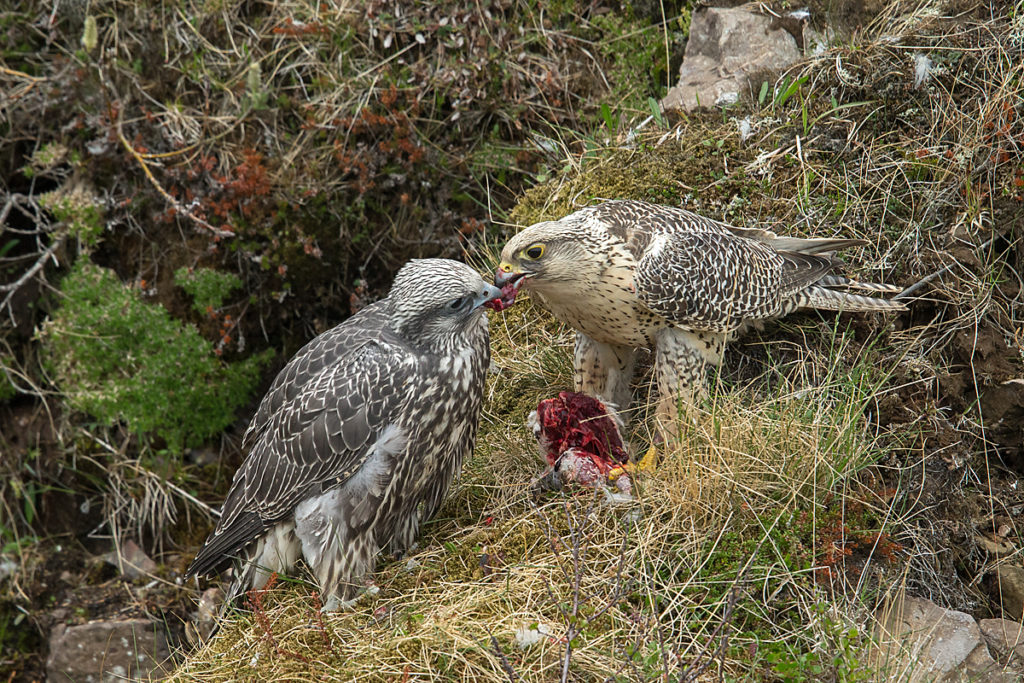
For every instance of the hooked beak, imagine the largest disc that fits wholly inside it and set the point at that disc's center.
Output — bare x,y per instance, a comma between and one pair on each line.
489,294
509,279
507,274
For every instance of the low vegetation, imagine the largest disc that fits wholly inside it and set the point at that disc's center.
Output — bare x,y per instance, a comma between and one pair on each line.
839,460
122,361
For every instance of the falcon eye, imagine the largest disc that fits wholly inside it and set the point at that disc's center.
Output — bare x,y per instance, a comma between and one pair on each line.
459,303
534,251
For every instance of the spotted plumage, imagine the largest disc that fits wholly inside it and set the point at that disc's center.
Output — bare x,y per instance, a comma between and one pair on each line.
629,274
359,436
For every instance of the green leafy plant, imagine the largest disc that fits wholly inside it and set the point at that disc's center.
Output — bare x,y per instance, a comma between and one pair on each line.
122,360
207,287
788,89
78,209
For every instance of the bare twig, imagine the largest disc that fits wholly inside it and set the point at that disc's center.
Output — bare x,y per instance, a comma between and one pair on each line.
30,82
12,288
219,232
143,161
928,278
505,664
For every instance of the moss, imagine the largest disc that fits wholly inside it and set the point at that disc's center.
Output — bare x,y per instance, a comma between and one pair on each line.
701,172
120,359
207,287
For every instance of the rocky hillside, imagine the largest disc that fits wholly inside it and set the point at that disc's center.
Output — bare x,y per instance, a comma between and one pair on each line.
191,192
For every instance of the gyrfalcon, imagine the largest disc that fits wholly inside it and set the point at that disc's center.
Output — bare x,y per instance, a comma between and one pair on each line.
360,436
629,274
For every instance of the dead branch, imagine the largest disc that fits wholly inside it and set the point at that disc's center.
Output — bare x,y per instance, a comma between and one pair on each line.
12,288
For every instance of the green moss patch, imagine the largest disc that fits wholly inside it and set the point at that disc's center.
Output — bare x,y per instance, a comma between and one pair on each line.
123,360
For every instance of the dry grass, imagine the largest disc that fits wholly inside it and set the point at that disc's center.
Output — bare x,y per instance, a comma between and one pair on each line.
654,578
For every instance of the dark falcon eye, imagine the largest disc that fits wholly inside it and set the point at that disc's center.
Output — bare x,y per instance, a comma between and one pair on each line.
536,251
456,304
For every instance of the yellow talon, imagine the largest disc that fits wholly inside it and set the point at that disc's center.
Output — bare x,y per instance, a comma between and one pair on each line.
647,462
617,471
644,464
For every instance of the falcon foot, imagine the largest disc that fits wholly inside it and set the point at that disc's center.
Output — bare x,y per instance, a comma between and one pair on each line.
646,463
336,604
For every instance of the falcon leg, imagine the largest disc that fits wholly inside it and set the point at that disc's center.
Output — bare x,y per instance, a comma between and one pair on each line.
680,361
405,535
339,555
604,371
341,574
276,552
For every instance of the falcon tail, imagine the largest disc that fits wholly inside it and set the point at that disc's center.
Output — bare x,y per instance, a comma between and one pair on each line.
825,299
800,245
840,281
813,245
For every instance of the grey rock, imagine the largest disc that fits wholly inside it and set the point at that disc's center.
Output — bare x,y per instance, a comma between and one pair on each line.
1005,641
997,548
133,562
725,48
210,603
924,642
131,649
1009,589
980,667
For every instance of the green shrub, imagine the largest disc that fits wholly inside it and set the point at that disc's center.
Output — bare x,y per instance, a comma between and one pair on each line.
208,287
121,359
77,207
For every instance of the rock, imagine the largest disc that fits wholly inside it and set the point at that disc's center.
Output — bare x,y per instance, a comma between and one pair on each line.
919,638
131,649
1005,640
725,48
133,562
209,607
980,667
1008,589
996,548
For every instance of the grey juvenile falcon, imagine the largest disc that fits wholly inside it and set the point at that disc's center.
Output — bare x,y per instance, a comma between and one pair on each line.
360,435
629,274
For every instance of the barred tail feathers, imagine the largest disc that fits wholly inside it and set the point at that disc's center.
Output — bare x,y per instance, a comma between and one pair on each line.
826,299
840,281
800,245
814,245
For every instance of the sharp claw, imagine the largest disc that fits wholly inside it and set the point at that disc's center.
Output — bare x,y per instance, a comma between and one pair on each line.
646,463
649,460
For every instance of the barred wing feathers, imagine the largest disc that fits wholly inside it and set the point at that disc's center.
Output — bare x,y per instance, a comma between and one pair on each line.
717,281
315,440
311,360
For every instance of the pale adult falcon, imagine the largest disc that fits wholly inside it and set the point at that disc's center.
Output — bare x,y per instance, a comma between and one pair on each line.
629,274
360,435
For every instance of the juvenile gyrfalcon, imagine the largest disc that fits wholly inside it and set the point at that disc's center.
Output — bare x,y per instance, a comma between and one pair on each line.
359,436
628,274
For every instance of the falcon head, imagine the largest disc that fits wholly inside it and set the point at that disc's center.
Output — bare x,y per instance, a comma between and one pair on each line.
438,299
542,256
